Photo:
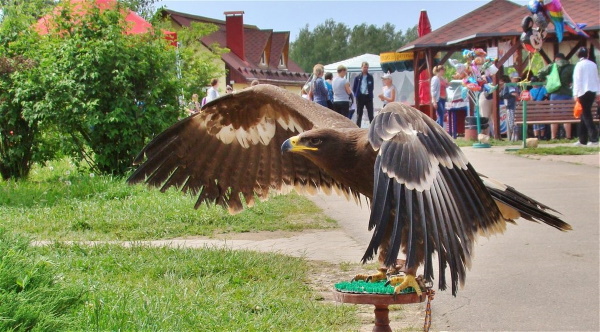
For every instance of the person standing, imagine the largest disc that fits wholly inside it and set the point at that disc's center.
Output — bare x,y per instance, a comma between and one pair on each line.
538,93
341,92
585,89
363,91
389,90
194,106
329,85
213,92
318,91
510,94
438,93
565,73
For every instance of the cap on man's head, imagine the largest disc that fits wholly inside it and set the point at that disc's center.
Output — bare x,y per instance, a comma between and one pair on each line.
386,76
559,56
583,52
514,75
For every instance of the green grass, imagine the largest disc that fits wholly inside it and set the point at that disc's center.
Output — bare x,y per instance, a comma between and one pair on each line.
59,203
559,150
108,287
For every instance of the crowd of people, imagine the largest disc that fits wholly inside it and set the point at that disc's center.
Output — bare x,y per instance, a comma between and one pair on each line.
339,95
579,82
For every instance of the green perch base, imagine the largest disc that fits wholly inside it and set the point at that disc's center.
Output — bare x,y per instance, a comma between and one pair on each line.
363,287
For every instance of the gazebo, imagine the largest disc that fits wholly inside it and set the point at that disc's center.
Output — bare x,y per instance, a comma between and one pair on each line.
498,24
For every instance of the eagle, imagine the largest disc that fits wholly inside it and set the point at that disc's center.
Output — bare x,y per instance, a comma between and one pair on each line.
425,197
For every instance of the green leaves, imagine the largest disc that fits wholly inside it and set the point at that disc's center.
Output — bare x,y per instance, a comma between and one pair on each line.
331,41
106,92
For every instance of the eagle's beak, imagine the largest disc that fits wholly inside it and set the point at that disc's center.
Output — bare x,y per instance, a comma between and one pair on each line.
291,144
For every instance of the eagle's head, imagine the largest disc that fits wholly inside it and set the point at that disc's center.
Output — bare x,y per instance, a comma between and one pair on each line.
343,153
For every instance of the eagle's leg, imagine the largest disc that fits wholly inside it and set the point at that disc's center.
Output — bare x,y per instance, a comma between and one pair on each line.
408,280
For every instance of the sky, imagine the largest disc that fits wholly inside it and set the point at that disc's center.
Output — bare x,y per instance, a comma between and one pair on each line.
293,16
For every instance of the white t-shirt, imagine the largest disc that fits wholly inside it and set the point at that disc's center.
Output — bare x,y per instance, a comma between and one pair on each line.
387,92
211,94
585,78
339,89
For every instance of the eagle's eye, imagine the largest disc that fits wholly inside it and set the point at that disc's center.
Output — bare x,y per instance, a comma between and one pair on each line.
315,141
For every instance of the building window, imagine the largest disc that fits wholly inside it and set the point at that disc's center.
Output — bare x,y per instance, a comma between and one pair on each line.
263,58
282,61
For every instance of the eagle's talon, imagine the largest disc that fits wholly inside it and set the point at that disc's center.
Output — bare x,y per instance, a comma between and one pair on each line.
403,282
380,275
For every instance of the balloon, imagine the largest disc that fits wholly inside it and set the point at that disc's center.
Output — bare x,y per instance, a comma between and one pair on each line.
526,41
527,23
540,21
535,6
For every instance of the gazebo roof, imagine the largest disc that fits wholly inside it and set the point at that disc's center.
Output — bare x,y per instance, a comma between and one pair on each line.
499,18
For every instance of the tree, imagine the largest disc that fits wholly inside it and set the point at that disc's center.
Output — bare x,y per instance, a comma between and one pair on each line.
331,42
108,92
198,65
144,8
20,138
328,41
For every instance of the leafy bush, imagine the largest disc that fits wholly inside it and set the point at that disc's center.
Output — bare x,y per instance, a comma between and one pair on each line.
110,92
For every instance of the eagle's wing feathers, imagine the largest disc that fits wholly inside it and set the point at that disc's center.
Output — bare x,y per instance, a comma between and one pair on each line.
232,149
427,197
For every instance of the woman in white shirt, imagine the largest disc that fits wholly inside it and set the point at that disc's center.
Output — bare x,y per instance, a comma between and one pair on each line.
341,92
213,92
389,90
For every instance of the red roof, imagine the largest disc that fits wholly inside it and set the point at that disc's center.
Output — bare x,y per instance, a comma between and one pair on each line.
136,23
500,18
256,41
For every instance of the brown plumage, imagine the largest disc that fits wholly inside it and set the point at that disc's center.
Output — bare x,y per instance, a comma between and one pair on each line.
425,196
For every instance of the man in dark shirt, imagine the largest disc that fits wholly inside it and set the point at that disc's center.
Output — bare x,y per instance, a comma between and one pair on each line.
565,72
363,90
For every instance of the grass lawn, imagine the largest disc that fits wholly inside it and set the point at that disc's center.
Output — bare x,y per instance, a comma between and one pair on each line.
59,203
559,150
109,287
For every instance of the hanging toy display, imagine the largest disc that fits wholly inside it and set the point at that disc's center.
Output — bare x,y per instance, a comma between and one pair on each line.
535,26
476,73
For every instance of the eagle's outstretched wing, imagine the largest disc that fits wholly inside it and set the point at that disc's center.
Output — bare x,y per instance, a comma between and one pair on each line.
427,198
232,148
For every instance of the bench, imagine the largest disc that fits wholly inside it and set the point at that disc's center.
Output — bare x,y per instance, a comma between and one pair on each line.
550,111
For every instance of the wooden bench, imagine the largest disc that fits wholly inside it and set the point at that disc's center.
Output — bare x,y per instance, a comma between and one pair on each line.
550,111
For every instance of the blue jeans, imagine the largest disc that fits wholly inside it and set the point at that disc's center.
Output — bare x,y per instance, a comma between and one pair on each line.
322,102
555,96
441,111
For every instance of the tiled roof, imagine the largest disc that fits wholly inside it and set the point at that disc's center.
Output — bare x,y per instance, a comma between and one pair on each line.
500,18
255,42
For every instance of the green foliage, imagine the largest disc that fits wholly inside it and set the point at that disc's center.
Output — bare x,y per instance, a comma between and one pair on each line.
20,139
108,92
331,41
559,150
198,65
33,292
60,202
144,8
